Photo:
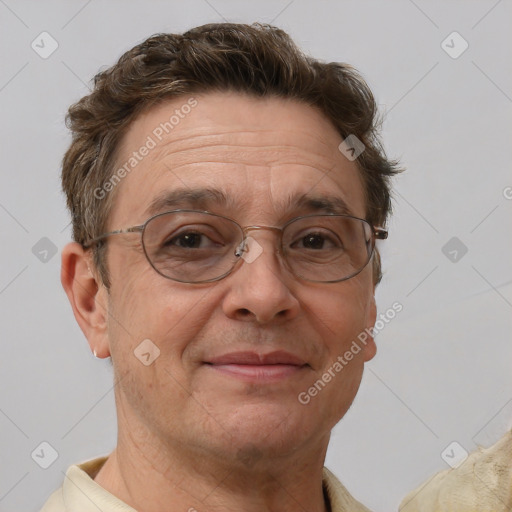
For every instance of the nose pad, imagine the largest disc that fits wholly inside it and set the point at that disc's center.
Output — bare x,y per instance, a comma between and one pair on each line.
240,249
249,250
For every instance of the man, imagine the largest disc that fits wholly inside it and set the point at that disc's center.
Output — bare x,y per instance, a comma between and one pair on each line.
226,194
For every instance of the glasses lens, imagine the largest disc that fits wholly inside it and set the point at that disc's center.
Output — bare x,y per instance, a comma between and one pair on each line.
191,246
327,247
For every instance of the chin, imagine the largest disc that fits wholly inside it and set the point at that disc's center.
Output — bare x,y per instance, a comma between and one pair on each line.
269,431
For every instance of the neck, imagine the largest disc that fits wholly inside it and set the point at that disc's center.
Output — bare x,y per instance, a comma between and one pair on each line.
150,476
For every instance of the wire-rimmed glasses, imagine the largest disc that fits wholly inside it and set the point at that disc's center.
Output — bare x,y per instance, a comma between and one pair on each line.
192,246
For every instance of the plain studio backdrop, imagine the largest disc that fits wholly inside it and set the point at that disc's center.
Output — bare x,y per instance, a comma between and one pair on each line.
441,73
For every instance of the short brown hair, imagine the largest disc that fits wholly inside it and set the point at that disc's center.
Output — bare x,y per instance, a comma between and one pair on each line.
256,59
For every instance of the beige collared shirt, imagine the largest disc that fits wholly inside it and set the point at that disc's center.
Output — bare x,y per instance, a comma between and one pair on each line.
482,483
80,492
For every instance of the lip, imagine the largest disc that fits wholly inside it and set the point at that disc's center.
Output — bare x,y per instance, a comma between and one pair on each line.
254,358
252,366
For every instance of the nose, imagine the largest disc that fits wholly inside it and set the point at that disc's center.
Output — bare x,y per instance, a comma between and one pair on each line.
259,288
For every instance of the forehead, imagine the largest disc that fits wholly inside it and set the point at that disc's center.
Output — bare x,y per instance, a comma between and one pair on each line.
234,154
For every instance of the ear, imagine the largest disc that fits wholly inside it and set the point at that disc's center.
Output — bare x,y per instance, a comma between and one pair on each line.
370,348
87,295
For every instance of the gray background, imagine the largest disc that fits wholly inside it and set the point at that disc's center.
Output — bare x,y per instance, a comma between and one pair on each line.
442,372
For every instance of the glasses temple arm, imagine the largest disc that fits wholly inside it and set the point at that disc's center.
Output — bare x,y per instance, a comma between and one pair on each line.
92,241
380,233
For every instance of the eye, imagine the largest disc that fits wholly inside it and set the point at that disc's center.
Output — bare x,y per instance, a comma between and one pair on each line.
189,237
189,240
317,240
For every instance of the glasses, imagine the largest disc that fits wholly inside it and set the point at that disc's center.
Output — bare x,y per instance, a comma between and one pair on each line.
193,246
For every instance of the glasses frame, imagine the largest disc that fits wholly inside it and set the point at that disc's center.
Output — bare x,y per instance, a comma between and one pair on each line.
378,233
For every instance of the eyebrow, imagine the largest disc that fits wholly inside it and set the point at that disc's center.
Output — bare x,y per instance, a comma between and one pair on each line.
206,198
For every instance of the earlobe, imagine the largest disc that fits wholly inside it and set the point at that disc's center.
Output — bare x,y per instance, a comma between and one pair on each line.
87,296
370,348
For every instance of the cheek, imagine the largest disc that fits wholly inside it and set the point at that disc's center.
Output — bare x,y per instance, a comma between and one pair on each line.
342,313
342,323
339,315
148,306
152,308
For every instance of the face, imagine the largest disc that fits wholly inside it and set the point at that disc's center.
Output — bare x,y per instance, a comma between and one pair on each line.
216,386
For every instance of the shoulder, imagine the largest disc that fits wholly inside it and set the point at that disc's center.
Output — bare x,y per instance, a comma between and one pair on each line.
482,482
340,499
81,475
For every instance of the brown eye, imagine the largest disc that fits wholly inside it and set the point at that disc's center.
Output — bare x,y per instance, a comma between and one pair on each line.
189,240
317,240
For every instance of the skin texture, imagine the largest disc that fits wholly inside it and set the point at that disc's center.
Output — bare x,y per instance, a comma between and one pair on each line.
188,435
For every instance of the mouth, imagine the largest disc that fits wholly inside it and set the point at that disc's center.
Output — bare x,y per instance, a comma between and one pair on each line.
252,366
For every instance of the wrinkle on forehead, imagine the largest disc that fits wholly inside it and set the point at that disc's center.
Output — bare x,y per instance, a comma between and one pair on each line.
221,116
249,142
265,147
260,148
